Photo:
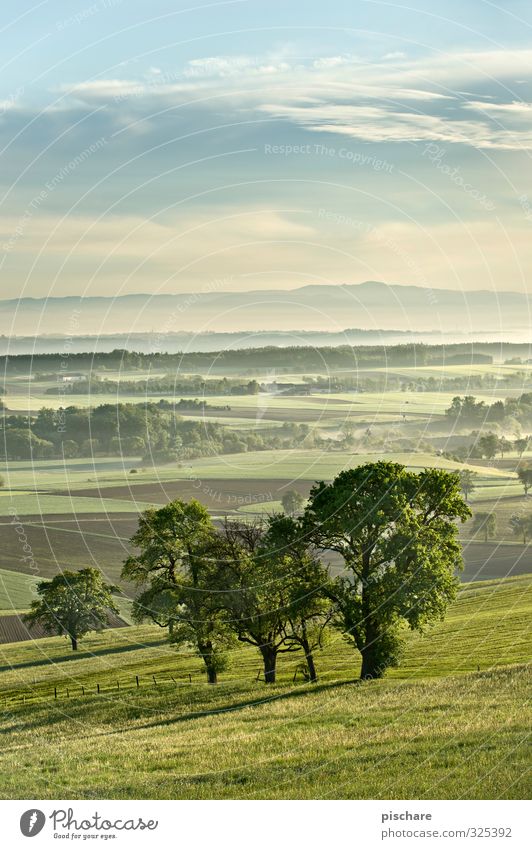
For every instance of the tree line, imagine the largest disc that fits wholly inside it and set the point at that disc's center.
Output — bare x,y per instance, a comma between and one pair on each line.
301,358
467,410
153,432
267,584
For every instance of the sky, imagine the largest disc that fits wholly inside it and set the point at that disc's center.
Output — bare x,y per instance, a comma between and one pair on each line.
257,144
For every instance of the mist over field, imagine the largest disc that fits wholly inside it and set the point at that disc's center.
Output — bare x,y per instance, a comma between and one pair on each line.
365,313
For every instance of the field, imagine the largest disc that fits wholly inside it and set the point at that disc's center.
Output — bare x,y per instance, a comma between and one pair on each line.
449,723
128,716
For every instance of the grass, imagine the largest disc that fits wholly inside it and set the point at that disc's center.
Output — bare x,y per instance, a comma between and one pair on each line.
17,591
444,738
37,503
315,464
434,728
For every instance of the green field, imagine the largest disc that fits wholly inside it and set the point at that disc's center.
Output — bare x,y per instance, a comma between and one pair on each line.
435,728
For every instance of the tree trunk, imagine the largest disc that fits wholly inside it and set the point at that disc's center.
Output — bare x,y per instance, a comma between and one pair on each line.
74,642
309,657
269,656
212,675
370,667
207,654
371,664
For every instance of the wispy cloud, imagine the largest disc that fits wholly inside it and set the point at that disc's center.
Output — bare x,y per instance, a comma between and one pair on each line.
433,98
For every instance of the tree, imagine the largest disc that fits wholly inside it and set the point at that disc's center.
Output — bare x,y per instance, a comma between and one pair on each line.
175,574
485,522
73,603
467,481
308,610
521,526
488,445
524,473
258,583
396,532
292,502
521,445
504,446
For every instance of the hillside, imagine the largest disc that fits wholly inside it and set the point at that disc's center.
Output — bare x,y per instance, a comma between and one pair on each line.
436,727
370,305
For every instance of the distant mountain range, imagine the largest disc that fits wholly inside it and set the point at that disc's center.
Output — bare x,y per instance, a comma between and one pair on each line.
373,307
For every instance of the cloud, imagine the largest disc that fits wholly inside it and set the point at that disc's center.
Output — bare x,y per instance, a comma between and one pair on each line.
437,97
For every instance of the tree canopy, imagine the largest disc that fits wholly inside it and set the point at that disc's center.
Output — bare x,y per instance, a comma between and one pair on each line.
73,603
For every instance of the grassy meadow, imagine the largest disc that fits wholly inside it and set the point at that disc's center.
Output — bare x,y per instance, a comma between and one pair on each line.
448,723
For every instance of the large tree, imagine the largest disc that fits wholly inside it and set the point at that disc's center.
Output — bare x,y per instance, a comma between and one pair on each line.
396,533
175,572
73,603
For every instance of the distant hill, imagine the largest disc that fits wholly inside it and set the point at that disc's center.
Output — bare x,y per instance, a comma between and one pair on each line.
370,306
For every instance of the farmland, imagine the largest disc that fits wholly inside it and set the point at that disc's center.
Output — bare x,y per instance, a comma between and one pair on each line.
450,716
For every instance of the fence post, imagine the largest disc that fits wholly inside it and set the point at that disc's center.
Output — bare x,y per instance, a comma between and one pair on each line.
55,692
82,690
68,693
154,680
189,678
97,688
137,679
118,685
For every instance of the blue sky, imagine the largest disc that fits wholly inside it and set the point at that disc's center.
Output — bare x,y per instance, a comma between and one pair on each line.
260,144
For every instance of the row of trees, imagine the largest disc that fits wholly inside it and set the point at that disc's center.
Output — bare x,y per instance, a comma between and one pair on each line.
467,410
266,585
231,359
151,431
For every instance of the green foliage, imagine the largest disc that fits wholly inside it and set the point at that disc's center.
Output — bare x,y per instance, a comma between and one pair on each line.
292,501
176,574
151,431
73,603
488,445
524,473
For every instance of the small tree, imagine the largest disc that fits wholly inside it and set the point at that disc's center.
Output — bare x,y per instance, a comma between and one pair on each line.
488,445
485,522
73,603
292,502
467,481
521,445
521,526
504,446
524,473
